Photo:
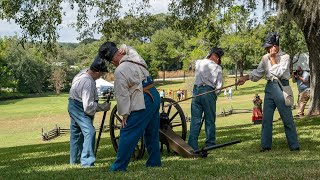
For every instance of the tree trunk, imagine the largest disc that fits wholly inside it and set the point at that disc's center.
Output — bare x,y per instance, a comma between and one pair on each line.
313,40
241,69
236,74
309,29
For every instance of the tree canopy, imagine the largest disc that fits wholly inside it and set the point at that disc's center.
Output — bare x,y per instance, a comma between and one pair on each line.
213,21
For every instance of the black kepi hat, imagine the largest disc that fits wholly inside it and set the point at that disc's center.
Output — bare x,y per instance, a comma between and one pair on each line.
271,40
107,50
99,65
218,51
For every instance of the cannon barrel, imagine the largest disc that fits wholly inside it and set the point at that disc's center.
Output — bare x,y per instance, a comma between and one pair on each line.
216,146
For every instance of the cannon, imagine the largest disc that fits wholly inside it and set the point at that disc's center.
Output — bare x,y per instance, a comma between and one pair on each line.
173,132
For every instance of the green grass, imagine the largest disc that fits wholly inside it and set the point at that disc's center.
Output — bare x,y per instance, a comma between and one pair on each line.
24,155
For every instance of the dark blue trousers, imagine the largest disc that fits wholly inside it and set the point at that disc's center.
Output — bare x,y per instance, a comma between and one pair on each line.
206,105
274,99
143,122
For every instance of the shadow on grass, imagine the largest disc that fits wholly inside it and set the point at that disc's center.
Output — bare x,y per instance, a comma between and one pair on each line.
46,161
51,160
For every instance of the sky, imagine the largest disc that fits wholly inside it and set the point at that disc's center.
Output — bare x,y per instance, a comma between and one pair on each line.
69,34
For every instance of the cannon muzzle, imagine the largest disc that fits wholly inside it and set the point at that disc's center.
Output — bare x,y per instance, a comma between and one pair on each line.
206,149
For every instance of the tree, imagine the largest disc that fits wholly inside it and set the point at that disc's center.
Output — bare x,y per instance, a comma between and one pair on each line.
167,47
40,20
241,48
187,14
239,40
6,80
29,71
58,78
195,48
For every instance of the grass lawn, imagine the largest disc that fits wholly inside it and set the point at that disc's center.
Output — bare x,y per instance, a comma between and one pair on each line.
24,155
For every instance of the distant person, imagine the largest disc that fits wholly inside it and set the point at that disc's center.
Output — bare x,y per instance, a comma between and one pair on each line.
179,94
275,66
82,106
225,93
257,110
302,78
230,93
208,77
162,94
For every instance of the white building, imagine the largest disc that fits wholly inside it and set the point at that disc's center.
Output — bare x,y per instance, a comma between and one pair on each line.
103,86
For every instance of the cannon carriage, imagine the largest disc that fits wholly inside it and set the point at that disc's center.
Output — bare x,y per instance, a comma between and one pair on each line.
172,132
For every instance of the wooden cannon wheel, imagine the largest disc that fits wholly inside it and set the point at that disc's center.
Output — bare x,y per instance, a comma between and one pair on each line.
171,115
115,125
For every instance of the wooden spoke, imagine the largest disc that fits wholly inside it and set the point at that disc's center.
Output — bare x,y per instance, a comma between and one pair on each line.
169,110
115,119
175,114
119,119
176,125
177,119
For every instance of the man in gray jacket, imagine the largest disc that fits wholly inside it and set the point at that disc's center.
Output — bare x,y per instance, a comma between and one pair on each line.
138,103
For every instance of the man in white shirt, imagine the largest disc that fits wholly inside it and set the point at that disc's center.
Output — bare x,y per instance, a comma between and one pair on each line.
162,94
275,67
208,76
83,104
138,102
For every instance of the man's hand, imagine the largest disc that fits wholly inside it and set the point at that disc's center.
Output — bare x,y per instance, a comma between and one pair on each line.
122,51
104,106
272,55
124,121
273,52
242,80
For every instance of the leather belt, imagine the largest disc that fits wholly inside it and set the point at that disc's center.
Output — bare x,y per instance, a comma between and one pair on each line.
146,90
276,80
202,84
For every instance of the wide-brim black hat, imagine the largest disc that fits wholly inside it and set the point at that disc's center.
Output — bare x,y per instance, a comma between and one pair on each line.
218,51
107,50
271,40
99,64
